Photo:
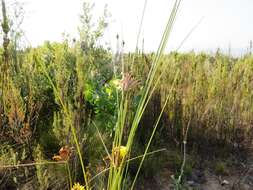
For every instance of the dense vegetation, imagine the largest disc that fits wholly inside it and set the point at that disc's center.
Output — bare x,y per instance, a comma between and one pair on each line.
101,110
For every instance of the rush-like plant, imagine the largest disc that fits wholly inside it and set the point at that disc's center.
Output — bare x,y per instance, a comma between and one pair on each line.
117,170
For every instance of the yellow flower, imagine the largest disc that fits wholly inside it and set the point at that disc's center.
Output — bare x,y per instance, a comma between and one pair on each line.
118,155
116,83
122,151
77,186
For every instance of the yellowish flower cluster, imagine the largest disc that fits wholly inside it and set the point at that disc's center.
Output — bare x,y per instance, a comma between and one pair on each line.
77,186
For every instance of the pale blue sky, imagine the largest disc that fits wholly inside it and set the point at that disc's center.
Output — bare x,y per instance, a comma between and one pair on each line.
225,22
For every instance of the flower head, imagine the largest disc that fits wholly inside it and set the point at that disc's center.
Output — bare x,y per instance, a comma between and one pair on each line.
122,151
77,186
128,82
118,155
64,154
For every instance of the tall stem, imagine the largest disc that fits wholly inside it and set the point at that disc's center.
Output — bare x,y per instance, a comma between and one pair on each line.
5,57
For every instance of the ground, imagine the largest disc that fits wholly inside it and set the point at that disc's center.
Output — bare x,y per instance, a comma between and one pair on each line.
239,176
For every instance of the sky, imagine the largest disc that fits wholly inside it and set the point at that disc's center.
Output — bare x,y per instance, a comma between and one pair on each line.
224,24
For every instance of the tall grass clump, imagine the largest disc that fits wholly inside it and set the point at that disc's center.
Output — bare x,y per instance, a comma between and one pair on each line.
116,173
